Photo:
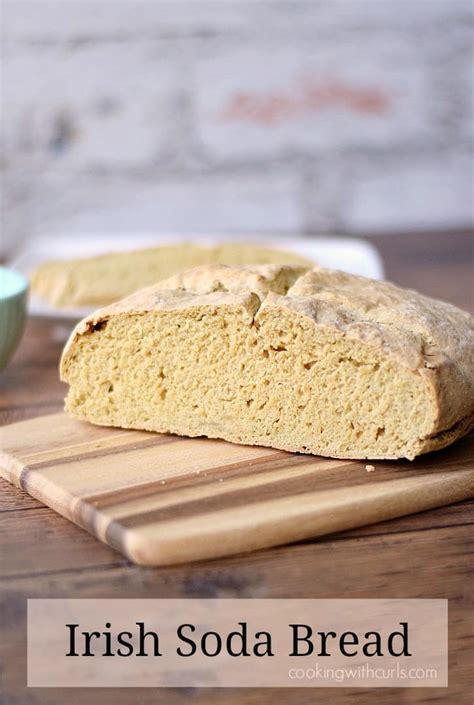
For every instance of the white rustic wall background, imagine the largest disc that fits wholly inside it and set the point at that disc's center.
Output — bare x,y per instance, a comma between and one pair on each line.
340,116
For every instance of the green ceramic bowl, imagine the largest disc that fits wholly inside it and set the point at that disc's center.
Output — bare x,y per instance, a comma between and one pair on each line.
13,297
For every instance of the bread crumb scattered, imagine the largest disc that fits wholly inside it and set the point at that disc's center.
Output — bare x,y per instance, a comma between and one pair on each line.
369,468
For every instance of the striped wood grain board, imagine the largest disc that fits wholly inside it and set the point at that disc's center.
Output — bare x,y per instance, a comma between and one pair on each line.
162,499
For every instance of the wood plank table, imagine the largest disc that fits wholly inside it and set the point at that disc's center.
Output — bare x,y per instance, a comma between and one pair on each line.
424,555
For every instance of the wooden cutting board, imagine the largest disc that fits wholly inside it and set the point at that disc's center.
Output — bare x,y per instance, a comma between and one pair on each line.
162,499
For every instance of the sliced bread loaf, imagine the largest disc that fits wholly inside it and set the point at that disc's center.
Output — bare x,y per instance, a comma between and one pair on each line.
315,361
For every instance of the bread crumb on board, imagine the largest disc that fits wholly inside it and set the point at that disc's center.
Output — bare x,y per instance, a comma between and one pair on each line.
370,468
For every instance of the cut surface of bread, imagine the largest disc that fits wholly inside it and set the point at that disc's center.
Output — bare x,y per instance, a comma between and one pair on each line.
314,361
103,279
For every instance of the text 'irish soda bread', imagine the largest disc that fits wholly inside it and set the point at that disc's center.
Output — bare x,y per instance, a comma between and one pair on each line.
315,361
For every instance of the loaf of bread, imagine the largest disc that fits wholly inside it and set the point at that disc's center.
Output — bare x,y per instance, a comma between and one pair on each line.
100,280
314,361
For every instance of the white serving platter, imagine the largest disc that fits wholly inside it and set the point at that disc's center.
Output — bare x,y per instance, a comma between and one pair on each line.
352,255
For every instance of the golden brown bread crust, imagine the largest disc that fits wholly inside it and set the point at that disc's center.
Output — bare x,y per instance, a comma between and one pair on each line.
432,339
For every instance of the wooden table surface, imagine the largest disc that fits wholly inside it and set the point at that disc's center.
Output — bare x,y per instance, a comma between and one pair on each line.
424,555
